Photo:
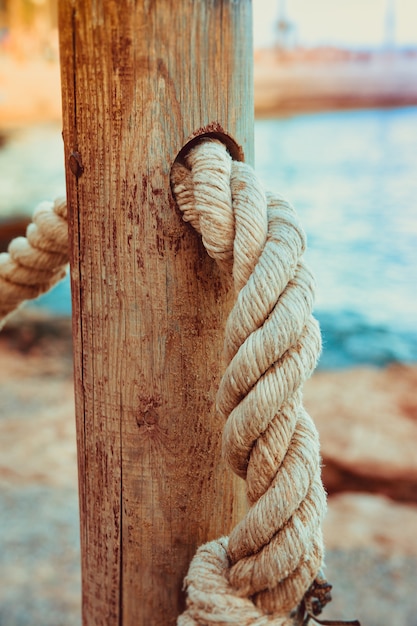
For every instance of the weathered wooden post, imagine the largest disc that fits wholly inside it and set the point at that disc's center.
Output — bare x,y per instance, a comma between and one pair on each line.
140,78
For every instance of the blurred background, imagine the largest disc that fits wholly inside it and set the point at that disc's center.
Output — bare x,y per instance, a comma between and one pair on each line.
336,133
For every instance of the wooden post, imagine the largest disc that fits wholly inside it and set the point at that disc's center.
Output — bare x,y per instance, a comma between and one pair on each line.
139,78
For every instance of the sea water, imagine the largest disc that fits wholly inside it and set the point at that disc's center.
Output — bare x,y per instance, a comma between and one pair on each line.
351,176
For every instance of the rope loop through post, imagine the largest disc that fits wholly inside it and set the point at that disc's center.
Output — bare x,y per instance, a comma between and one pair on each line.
262,572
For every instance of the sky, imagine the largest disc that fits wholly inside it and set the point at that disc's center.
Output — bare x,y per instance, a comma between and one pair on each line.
348,23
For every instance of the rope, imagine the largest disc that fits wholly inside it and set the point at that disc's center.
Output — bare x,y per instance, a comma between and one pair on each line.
261,573
268,571
35,263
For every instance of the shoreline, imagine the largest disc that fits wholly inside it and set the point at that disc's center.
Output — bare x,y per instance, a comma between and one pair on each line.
286,85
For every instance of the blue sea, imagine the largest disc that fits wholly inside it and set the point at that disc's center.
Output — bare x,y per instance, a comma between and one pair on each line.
352,177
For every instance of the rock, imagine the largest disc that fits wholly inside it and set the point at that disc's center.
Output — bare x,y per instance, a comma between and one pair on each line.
369,521
367,420
38,441
35,331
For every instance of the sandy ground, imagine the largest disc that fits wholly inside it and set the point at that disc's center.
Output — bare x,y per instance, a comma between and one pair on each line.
372,555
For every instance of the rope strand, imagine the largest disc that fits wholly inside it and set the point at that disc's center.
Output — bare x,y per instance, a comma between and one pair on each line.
35,263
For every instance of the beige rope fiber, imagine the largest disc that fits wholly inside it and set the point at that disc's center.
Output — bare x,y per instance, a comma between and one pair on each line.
35,263
262,571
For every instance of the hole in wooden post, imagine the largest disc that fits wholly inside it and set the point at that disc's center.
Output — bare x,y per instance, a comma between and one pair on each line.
213,131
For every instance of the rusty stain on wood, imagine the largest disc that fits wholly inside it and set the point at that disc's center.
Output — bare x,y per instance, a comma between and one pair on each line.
139,80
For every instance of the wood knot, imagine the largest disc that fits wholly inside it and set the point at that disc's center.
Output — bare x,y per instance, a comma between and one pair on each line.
147,418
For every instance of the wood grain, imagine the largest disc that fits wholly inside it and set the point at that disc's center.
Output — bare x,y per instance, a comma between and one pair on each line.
149,306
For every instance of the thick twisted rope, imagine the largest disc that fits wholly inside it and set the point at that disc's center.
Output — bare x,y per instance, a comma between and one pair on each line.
262,571
35,263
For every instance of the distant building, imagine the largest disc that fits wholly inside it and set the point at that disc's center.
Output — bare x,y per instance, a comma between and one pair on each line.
390,25
285,29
